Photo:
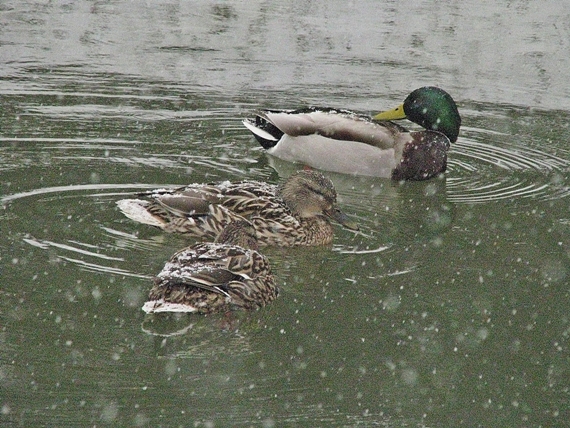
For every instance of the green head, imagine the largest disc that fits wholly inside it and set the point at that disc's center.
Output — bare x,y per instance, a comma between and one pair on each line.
431,108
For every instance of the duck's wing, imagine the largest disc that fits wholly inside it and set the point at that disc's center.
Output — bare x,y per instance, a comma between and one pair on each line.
217,268
208,266
155,205
184,292
331,123
211,256
192,200
198,209
182,205
196,199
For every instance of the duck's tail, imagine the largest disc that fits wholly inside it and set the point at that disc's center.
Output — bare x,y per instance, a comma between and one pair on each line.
136,209
264,131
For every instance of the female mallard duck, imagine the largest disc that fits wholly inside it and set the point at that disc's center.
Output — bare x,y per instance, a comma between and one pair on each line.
212,277
295,213
342,141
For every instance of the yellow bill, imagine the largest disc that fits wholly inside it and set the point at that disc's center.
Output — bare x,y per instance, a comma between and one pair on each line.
394,114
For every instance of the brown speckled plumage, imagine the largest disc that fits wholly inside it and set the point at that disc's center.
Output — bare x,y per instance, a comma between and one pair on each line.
294,213
212,277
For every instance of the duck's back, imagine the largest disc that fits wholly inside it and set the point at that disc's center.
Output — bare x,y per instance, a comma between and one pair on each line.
210,278
203,210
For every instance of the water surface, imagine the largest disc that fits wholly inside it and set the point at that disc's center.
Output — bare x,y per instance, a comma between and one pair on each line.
449,308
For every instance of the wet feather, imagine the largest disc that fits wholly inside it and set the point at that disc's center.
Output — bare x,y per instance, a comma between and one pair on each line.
297,212
212,277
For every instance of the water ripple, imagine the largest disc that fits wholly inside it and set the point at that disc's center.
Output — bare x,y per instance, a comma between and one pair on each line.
46,244
476,192
507,158
73,188
344,249
473,176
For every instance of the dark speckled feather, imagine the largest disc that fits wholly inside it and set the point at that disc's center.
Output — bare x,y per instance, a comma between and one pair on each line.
294,213
212,277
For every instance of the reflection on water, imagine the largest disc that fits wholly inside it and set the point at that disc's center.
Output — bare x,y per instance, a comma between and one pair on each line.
448,308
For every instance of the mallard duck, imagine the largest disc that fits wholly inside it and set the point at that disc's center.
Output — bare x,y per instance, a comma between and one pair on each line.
346,142
211,277
294,213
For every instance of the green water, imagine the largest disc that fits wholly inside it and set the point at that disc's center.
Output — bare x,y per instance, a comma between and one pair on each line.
448,308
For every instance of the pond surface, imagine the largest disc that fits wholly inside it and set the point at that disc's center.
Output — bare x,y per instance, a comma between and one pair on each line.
449,308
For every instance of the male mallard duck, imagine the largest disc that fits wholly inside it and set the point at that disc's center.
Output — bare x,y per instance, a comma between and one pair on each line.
212,277
342,141
295,213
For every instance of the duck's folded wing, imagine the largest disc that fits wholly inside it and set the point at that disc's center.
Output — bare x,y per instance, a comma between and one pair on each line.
183,205
334,124
214,281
